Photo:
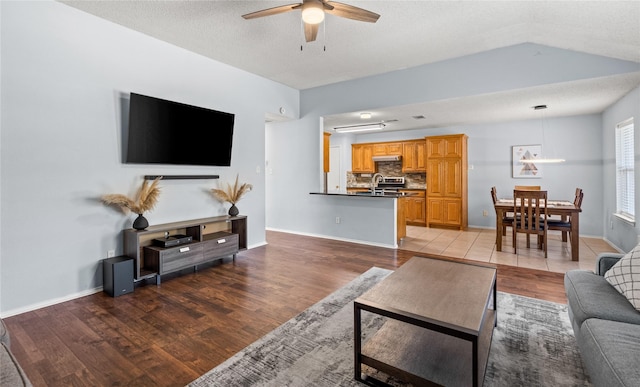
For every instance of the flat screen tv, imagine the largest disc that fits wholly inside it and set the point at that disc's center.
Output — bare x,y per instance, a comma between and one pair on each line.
167,132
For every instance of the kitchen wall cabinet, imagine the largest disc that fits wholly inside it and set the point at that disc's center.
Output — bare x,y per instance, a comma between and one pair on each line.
413,156
387,149
362,158
325,152
447,181
415,208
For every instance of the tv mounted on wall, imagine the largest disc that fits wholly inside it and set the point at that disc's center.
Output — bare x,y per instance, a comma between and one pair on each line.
167,132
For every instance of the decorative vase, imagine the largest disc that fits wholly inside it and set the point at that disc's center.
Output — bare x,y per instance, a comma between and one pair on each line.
233,211
140,223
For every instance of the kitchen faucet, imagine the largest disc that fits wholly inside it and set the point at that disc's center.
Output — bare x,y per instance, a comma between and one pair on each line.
375,180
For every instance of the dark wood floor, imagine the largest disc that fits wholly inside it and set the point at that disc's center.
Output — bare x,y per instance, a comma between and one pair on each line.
169,335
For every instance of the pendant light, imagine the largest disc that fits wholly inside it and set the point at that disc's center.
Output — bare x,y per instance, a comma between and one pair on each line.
543,160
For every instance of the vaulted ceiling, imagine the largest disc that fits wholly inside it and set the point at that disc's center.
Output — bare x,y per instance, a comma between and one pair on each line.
408,34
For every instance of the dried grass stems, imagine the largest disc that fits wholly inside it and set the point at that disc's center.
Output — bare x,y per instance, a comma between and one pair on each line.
231,193
145,200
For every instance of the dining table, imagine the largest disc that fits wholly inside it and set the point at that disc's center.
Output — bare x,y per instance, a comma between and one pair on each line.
563,208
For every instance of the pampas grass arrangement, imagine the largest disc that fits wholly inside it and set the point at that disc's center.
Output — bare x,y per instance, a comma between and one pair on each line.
145,200
232,194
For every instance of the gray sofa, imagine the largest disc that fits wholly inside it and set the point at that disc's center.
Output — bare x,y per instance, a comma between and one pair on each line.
11,375
605,324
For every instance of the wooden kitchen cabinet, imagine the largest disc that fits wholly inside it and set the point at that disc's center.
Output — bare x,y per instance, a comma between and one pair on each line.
387,148
413,156
447,181
326,167
445,212
362,158
415,208
447,146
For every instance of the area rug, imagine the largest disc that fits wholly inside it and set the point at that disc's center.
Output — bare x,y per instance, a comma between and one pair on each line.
533,345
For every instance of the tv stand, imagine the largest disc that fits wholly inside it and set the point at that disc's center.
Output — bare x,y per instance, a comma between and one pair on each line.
213,239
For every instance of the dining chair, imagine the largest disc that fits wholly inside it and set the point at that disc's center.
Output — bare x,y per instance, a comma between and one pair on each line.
507,220
530,209
564,223
527,187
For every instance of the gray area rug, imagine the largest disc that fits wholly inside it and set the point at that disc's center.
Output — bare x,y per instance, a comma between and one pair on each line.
533,345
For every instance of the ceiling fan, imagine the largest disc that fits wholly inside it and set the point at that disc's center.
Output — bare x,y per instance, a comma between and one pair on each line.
313,14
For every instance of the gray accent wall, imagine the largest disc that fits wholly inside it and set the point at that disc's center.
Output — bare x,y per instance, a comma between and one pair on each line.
66,78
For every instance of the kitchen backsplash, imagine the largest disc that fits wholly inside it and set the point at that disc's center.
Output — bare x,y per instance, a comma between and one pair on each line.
390,168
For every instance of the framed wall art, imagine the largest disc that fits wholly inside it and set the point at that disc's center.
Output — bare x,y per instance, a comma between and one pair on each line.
523,161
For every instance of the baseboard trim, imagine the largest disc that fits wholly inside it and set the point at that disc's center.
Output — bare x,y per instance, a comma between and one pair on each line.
53,301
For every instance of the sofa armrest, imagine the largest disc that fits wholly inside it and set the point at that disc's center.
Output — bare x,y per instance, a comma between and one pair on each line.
605,261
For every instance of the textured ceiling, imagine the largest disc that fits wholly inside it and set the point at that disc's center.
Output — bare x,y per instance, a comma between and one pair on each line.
408,34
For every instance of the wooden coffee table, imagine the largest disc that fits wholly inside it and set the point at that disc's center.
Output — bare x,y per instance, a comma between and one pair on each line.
440,318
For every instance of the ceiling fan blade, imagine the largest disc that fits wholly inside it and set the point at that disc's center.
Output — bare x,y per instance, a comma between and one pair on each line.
351,12
272,11
310,31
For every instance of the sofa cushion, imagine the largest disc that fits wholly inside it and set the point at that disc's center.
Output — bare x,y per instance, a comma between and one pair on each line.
11,374
625,276
591,296
611,352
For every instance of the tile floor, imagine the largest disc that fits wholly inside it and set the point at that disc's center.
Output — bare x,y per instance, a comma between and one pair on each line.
479,245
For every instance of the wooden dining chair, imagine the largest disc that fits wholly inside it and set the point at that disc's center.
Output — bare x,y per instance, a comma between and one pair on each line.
507,220
530,209
527,187
564,223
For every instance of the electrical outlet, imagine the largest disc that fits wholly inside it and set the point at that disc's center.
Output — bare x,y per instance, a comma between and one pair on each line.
337,220
485,213
111,253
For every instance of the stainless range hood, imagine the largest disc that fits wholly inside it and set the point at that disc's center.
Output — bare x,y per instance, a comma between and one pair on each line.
387,158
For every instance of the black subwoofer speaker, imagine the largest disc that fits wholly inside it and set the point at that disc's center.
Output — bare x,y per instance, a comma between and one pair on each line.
117,276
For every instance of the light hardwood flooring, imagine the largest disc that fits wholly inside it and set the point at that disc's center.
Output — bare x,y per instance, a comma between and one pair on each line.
479,245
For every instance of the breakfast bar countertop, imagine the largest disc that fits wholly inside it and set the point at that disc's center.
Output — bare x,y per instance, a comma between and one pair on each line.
393,195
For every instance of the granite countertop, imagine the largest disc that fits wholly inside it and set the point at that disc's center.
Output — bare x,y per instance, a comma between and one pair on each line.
367,194
413,188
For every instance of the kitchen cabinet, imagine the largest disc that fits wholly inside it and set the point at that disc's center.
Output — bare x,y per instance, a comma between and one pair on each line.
447,181
415,208
387,149
362,158
413,156
447,146
325,152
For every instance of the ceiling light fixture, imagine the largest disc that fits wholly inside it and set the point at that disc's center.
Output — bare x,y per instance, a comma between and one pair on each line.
359,128
544,160
365,116
312,12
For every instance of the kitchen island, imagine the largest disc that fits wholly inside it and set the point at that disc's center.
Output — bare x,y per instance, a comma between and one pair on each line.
366,217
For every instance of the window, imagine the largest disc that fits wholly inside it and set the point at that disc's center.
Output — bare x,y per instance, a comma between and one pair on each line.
625,182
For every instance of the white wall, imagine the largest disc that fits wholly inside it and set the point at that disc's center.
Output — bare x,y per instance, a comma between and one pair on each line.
515,67
65,77
621,233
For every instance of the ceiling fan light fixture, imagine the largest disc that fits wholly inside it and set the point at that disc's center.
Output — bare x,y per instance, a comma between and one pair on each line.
312,12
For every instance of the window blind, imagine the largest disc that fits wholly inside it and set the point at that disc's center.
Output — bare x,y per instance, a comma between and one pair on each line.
625,181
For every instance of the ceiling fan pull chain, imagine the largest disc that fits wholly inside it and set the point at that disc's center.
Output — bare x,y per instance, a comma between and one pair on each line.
324,34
